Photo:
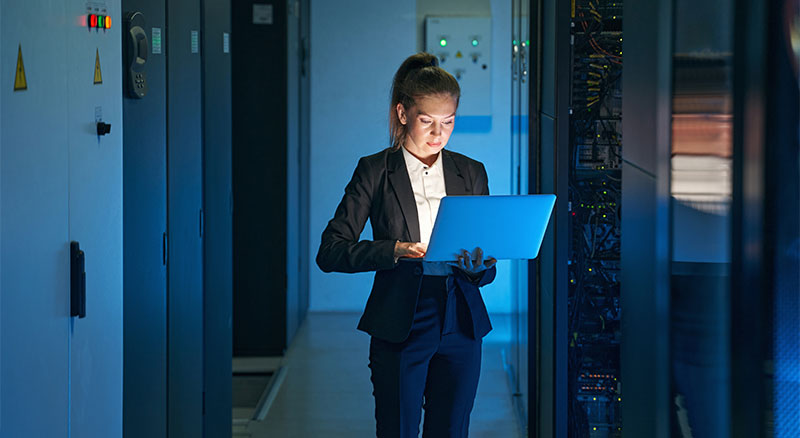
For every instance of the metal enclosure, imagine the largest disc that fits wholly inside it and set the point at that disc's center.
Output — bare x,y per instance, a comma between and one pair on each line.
145,235
645,284
297,165
259,178
549,173
218,208
185,220
60,182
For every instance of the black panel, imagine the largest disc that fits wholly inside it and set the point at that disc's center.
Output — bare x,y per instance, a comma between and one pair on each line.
305,160
550,160
547,62
645,258
645,365
259,181
783,239
185,221
218,239
144,225
646,79
765,214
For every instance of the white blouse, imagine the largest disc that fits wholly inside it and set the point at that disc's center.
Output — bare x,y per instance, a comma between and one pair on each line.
429,189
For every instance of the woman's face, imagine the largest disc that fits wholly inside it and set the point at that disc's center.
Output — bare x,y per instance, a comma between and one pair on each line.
430,123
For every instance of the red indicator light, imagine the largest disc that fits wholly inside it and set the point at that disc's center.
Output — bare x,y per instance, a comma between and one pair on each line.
93,20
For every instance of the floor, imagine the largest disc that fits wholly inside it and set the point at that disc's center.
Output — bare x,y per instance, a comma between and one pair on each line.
326,391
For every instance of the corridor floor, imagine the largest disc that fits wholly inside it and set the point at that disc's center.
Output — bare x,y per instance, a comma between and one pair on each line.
327,392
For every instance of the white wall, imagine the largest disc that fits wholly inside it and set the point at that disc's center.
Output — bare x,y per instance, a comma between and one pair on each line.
492,148
356,46
355,49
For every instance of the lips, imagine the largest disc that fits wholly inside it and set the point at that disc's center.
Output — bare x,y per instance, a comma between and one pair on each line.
434,145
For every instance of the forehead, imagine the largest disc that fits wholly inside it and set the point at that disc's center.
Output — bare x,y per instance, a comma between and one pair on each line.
442,105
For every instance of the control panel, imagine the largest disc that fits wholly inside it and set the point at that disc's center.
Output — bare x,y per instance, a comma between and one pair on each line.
463,45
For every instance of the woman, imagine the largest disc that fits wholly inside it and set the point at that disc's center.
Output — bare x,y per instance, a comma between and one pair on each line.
427,320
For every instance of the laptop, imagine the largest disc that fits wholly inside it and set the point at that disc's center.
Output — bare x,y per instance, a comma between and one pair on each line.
505,227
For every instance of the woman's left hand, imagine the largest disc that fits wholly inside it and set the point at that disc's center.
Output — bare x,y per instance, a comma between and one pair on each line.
472,263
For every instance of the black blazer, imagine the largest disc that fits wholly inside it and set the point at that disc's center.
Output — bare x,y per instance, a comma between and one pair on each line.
380,190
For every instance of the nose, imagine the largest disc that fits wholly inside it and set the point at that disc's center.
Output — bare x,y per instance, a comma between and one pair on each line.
437,129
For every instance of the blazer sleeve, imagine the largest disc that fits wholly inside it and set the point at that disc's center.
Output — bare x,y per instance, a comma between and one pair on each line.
340,250
480,187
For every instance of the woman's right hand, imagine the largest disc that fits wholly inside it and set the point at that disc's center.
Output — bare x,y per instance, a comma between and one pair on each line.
410,249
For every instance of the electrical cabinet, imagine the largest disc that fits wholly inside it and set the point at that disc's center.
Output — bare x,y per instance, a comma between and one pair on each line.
463,45
60,182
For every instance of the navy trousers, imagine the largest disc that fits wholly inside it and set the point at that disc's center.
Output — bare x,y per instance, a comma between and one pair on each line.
436,368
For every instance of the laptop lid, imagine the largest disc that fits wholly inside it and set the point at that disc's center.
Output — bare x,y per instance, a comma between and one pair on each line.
505,226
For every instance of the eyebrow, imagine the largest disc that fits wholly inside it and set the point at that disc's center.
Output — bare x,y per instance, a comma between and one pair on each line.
428,115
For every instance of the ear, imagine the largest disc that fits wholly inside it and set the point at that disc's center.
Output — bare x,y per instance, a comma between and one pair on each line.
401,113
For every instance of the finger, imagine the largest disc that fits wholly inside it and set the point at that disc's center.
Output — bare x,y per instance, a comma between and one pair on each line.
491,261
478,256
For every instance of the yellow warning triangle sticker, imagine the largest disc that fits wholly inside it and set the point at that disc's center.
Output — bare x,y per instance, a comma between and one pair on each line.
98,76
20,83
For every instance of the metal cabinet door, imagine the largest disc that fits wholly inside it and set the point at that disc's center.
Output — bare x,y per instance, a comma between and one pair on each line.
34,246
93,68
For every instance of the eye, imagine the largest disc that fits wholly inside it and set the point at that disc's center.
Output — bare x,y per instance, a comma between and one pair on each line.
448,122
425,121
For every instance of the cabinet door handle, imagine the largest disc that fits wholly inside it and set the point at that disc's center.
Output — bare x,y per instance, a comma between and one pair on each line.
77,281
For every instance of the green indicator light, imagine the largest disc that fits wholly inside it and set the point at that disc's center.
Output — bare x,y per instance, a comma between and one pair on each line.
528,42
515,42
101,21
443,42
474,43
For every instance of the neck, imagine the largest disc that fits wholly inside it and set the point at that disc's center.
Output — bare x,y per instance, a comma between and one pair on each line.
428,161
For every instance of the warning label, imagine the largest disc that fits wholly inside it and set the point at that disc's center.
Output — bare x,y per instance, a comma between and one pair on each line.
20,83
98,75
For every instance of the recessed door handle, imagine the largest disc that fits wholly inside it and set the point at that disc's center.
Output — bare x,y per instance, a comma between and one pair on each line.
77,281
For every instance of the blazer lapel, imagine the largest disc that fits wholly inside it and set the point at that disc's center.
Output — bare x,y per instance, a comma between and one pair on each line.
398,177
453,180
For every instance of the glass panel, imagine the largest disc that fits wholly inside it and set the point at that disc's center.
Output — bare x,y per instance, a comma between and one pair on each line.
595,183
785,224
701,184
517,359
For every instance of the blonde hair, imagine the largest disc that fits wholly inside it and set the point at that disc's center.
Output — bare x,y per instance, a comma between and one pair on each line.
418,76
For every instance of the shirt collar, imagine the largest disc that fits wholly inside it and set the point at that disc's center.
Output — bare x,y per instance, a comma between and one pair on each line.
413,164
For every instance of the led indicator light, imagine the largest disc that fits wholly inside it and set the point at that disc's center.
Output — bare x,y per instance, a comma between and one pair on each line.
101,21
93,20
443,42
474,42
